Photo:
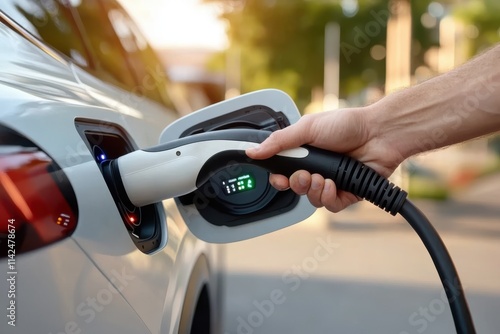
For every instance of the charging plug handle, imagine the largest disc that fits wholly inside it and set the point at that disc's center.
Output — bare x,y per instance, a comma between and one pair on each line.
348,174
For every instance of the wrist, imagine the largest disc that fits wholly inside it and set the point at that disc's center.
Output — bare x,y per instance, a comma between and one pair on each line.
386,133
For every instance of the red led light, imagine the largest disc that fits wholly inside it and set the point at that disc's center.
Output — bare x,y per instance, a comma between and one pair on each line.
131,219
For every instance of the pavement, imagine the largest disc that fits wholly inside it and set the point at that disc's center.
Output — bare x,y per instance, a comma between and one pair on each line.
364,271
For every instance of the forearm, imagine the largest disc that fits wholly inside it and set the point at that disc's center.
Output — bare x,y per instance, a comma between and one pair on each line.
459,105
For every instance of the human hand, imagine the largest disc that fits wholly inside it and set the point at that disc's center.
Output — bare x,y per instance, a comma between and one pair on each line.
346,131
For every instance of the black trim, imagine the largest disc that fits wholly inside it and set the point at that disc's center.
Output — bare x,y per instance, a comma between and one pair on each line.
254,117
111,172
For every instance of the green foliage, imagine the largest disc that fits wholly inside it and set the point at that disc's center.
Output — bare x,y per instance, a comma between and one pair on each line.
425,188
282,41
485,16
282,44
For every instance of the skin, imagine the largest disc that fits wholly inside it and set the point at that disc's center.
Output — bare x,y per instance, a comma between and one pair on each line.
454,107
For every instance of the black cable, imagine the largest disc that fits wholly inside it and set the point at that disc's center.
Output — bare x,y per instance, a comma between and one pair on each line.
364,182
444,265
357,178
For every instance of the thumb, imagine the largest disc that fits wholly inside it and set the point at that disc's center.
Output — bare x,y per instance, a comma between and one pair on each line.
290,137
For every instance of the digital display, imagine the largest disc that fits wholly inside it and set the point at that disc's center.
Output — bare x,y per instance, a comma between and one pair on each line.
238,184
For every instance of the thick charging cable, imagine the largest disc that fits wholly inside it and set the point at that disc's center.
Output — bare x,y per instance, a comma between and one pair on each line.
181,166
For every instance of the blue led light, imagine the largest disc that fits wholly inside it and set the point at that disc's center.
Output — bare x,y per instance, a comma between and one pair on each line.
99,154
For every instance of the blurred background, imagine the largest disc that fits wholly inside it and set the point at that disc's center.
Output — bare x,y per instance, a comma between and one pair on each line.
360,270
326,54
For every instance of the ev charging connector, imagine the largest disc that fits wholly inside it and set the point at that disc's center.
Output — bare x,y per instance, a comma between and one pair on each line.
183,165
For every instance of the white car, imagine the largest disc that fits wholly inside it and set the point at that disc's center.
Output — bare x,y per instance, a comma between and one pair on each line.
79,84
79,87
83,95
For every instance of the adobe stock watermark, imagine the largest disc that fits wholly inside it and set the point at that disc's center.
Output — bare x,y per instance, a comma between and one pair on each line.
363,36
88,310
421,319
293,279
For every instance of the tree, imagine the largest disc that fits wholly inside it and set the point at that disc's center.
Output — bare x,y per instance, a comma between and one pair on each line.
282,42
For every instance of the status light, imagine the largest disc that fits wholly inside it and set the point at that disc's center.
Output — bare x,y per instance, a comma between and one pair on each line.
238,184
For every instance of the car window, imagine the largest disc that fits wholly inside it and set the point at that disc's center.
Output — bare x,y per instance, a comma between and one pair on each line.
149,72
51,22
120,50
109,57
99,36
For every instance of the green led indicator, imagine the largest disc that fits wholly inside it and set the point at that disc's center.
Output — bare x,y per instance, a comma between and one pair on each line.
238,184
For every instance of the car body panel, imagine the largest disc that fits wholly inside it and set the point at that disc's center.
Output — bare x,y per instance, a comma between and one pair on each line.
70,294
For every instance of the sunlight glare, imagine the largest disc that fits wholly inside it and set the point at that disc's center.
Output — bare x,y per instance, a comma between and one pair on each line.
178,24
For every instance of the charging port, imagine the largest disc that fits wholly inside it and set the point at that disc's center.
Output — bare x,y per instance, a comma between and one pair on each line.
228,199
107,142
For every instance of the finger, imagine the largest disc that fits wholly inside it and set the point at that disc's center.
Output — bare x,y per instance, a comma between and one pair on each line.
316,189
336,200
300,182
292,136
280,182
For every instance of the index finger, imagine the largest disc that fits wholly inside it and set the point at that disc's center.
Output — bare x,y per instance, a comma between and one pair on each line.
292,136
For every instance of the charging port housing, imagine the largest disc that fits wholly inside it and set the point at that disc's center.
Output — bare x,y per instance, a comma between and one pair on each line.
106,142
222,201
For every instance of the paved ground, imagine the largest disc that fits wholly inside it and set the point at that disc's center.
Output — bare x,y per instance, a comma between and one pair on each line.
364,271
